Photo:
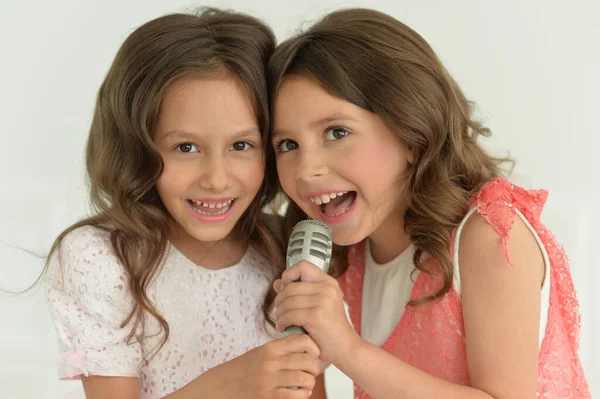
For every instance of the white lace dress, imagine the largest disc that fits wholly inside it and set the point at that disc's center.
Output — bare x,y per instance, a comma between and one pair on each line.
213,315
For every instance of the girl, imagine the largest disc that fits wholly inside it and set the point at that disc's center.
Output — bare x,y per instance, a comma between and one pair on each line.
158,294
455,287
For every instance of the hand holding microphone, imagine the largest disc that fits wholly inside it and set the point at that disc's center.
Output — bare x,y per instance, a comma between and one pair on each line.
310,241
309,300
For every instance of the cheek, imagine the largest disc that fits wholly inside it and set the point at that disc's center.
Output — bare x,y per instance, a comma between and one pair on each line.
175,178
285,171
165,188
380,164
169,184
253,174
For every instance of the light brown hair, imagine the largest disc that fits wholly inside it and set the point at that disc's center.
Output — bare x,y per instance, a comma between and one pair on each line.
372,60
122,161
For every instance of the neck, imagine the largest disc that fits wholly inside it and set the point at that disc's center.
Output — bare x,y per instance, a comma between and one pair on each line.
389,240
210,255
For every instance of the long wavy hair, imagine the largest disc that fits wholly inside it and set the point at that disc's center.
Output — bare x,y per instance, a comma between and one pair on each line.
374,61
122,162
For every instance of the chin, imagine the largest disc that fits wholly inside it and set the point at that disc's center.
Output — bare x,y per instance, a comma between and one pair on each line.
207,233
208,238
346,238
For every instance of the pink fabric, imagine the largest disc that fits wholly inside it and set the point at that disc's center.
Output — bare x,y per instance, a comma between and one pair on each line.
432,336
71,365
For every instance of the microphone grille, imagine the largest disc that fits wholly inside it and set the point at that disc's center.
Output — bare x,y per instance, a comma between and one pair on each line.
310,238
311,221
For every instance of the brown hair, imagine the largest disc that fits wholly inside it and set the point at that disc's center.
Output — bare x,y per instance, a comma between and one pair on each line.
374,61
122,162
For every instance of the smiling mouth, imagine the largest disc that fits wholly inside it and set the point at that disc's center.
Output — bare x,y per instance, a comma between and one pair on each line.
211,209
335,204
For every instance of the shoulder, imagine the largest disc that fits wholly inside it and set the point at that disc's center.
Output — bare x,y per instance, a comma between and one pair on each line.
498,199
85,240
487,254
85,259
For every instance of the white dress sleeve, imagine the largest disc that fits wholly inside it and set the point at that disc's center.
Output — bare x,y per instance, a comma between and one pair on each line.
88,299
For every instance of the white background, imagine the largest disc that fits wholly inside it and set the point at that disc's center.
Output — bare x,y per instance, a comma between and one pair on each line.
532,67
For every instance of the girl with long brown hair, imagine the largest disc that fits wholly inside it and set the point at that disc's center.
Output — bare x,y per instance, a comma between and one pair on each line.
374,138
163,291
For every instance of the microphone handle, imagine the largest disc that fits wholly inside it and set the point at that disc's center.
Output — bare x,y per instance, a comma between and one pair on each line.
293,330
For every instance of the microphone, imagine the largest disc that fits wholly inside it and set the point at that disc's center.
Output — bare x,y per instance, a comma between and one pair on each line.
310,241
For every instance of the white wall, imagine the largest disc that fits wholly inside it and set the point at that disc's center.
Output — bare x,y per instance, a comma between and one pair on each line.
531,66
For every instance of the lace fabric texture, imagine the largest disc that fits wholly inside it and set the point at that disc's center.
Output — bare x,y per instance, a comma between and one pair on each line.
432,336
213,315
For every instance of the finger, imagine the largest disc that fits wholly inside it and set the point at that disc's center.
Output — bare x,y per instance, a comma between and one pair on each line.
300,343
294,317
295,378
277,285
304,271
296,302
299,288
287,393
301,361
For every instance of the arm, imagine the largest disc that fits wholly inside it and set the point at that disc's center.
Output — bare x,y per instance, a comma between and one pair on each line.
318,391
101,387
501,306
88,301
265,372
97,387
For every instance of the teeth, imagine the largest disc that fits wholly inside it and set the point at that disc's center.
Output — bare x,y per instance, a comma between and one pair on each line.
200,211
213,209
201,204
337,213
326,198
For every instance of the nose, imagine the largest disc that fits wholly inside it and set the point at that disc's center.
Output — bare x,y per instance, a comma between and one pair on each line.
312,165
215,176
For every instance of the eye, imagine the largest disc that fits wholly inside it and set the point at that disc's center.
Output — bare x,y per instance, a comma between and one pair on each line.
241,146
186,147
336,133
286,145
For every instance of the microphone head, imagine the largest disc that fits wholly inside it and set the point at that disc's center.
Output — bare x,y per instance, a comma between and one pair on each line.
310,241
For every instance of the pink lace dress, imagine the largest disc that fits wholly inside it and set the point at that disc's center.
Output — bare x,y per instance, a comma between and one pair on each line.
432,336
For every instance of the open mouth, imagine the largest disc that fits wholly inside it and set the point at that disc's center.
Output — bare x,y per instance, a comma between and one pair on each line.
335,204
211,208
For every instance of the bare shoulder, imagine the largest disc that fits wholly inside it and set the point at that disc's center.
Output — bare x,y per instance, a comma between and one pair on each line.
482,250
501,281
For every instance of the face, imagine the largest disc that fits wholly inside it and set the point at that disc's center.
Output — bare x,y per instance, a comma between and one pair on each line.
340,163
210,143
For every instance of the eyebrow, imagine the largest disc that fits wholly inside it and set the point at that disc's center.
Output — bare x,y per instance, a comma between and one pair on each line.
337,117
182,134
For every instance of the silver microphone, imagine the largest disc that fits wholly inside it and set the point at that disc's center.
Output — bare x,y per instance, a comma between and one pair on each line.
310,241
